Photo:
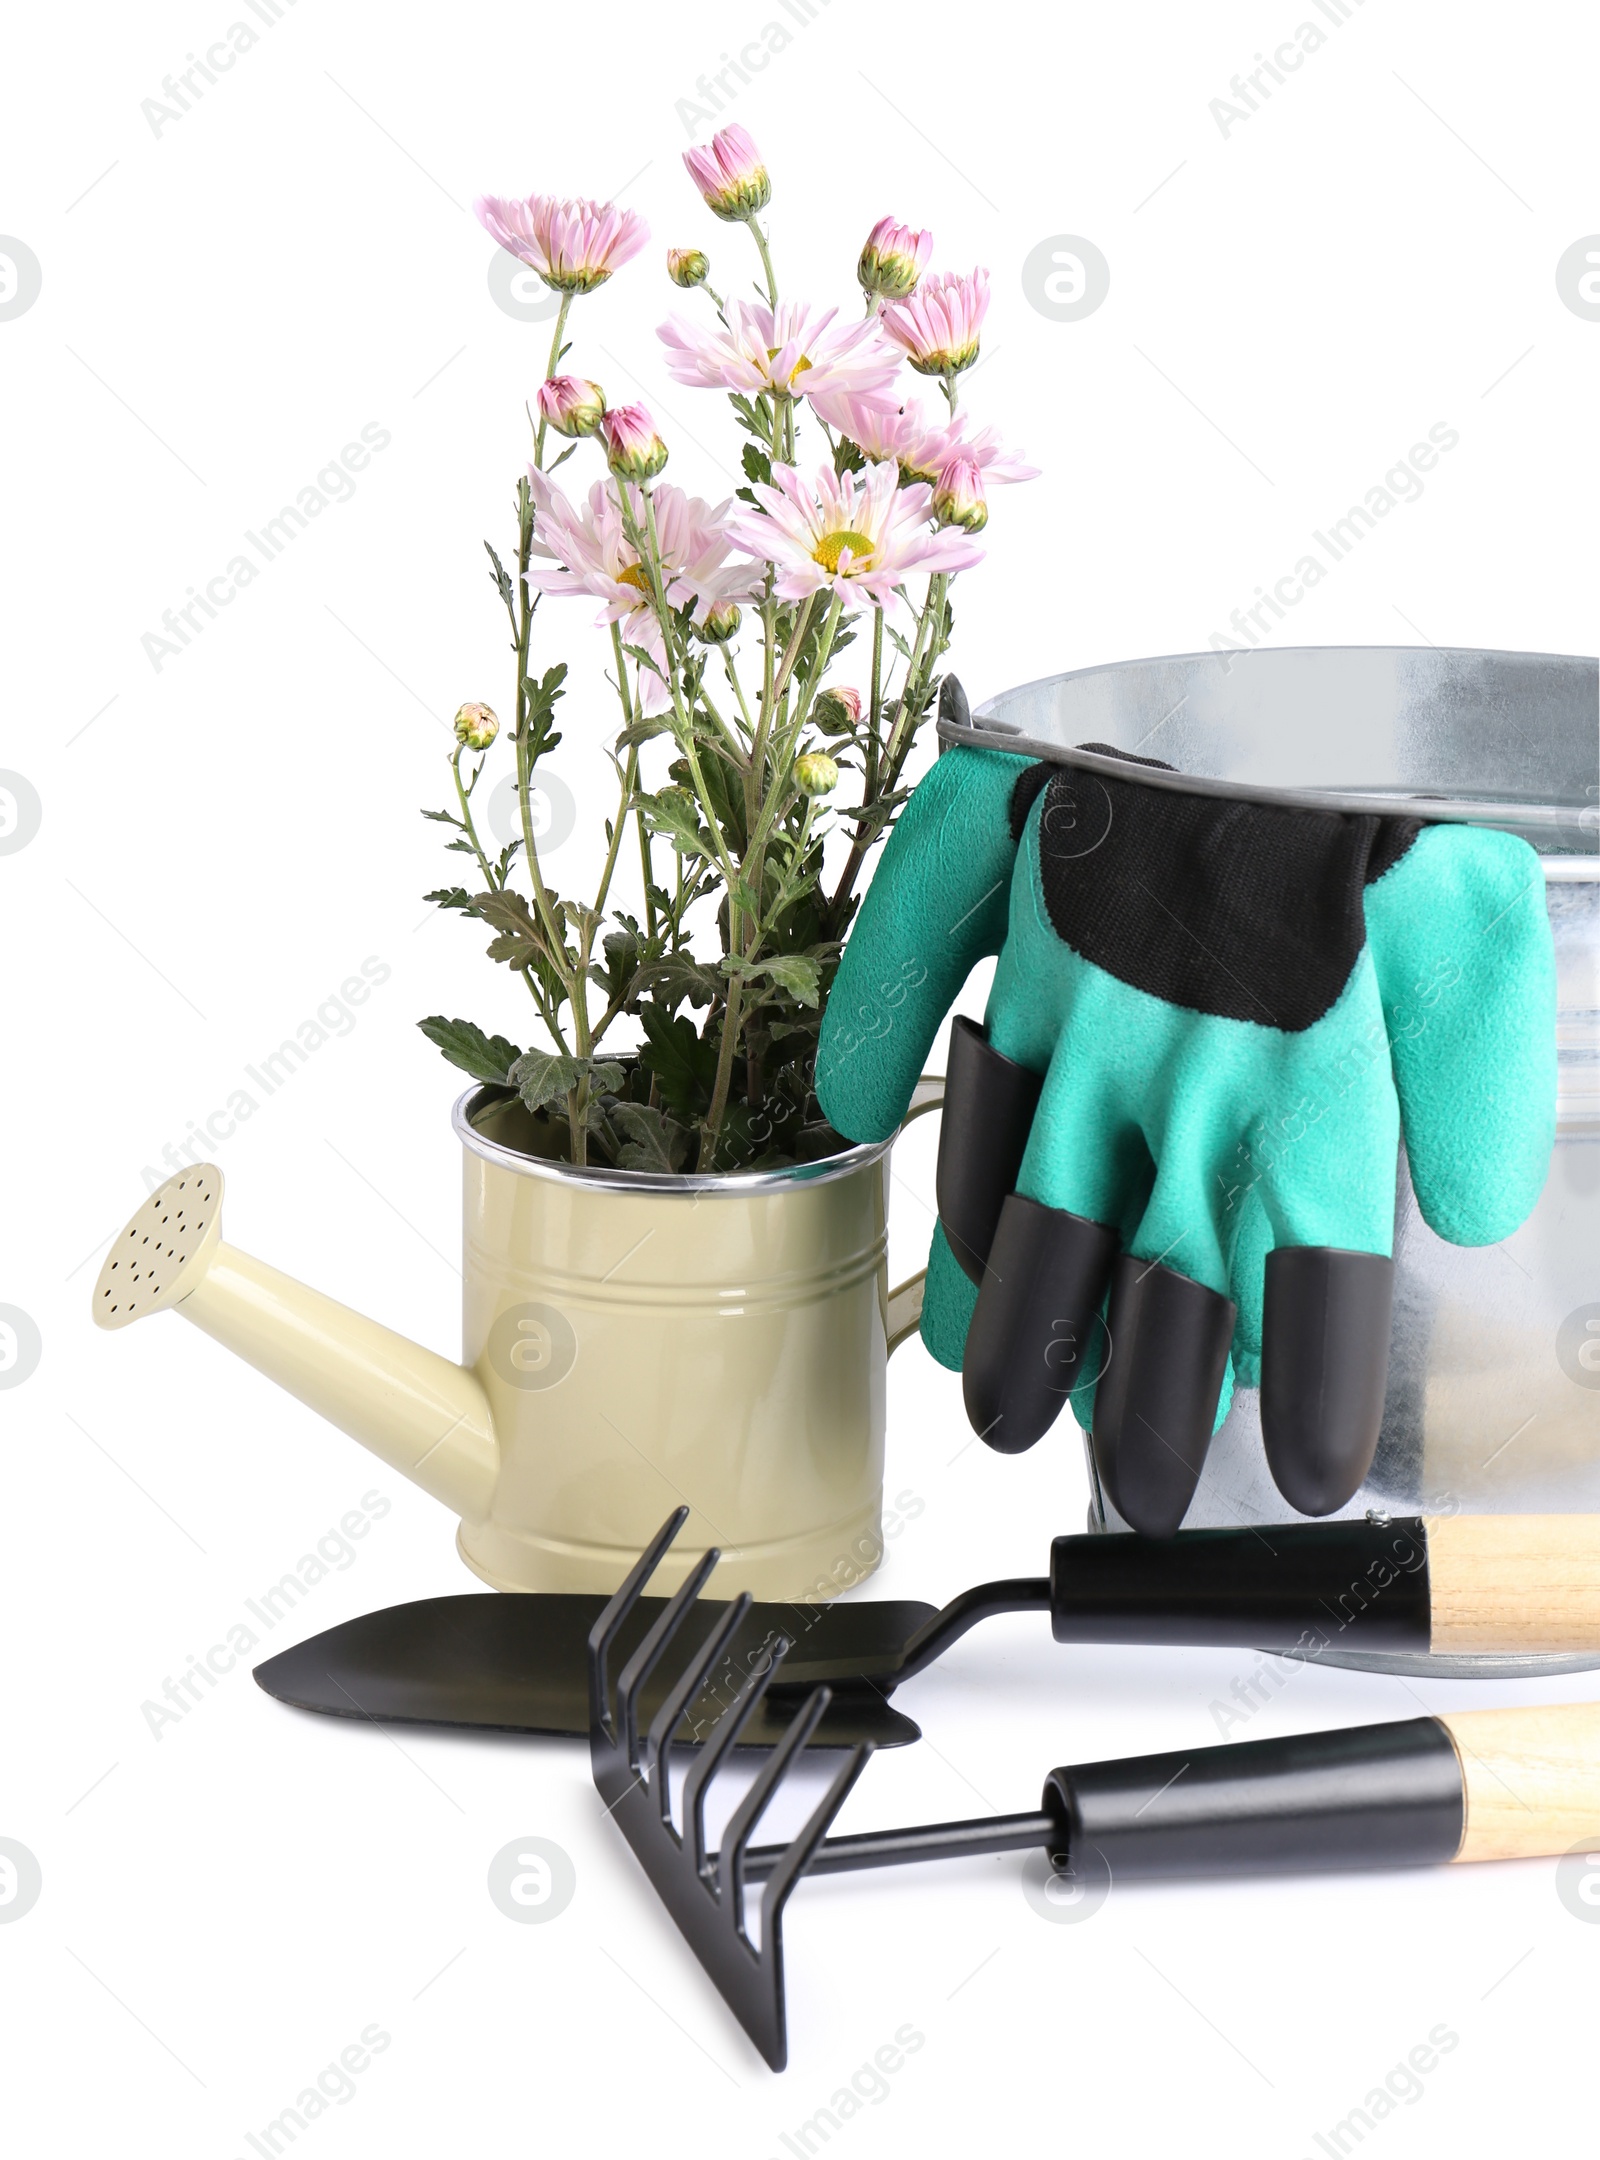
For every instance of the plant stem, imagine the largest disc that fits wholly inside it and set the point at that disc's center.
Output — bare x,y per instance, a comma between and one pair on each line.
772,689
712,1128
736,749
471,830
902,736
732,674
630,778
760,239
784,751
909,716
646,865
869,777
555,943
649,551
549,370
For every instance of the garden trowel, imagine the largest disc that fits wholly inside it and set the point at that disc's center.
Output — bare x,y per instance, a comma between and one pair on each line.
1456,1588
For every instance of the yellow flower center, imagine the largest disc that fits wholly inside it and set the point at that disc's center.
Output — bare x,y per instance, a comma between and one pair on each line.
800,365
832,545
634,575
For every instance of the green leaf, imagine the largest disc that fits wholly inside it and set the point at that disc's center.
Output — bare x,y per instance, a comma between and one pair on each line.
757,464
441,817
542,698
675,814
502,583
789,972
653,1140
685,1068
486,1057
621,948
452,896
521,942
647,661
679,979
757,417
539,1076
643,730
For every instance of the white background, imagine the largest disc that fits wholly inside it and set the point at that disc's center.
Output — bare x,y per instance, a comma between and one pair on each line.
1292,306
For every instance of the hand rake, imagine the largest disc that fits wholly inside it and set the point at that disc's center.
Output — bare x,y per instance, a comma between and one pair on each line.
1479,1785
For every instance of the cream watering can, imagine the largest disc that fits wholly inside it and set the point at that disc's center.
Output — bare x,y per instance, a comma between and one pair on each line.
630,1342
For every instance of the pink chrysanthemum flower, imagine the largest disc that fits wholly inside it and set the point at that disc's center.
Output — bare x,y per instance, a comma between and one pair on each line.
893,259
920,443
587,550
574,245
730,175
938,326
799,351
854,536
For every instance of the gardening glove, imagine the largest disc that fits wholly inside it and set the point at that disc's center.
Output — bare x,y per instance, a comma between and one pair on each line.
1168,1158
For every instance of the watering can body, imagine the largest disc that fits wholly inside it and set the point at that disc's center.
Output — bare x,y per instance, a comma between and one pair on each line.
630,1343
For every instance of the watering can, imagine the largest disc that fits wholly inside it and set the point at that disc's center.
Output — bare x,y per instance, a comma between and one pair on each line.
632,1342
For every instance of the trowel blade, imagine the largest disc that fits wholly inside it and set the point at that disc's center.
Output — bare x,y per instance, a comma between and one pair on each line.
506,1662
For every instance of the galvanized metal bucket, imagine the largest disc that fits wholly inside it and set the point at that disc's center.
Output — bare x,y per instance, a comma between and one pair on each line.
1494,1380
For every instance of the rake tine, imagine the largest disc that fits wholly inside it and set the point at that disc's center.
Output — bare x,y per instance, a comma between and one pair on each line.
729,1726
665,1722
801,1850
604,1631
643,1661
742,1823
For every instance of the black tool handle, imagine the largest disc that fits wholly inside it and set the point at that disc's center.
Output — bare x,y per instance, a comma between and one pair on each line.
1470,1785
1298,1587
1370,1796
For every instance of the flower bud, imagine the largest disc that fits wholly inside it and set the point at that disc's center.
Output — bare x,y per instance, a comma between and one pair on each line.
815,773
893,259
721,623
688,267
571,404
476,726
634,450
838,711
730,175
958,499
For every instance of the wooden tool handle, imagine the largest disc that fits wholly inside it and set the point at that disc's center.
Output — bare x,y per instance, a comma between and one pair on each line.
1515,1582
1530,1779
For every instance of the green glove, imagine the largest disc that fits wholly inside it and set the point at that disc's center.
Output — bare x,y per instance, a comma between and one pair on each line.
1169,1158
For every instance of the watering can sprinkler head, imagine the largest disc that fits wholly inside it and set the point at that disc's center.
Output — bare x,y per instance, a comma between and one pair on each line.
163,1253
426,1417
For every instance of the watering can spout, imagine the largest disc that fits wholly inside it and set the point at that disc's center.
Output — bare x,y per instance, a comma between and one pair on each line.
427,1418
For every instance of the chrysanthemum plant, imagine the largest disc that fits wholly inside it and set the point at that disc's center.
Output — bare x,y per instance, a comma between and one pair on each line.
726,624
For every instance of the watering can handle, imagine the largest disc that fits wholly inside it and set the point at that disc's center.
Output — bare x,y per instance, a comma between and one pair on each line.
905,1299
